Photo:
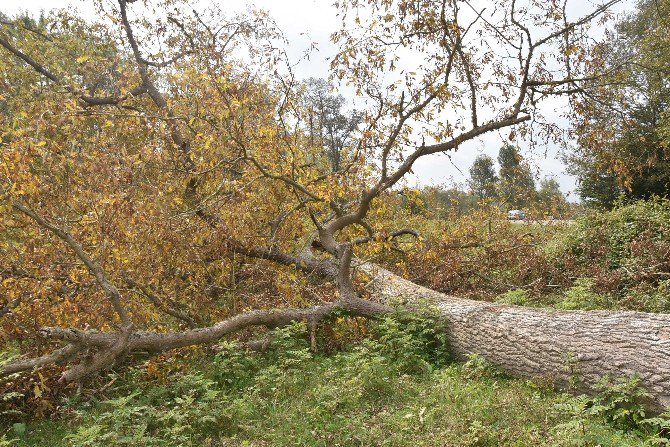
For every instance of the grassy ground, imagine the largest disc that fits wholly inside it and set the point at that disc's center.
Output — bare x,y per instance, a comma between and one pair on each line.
445,408
394,388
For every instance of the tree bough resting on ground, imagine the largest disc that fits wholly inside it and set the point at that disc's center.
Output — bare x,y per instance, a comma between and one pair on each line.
154,159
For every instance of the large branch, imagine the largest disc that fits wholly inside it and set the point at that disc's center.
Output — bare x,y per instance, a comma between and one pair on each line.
155,342
59,355
513,117
158,99
327,234
305,262
393,235
109,345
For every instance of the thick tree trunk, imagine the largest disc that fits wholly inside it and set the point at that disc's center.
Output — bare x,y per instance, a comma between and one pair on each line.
561,345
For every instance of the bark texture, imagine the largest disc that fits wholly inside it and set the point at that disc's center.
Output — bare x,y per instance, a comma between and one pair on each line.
561,345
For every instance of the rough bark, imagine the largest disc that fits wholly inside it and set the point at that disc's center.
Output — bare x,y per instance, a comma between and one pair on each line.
108,346
561,345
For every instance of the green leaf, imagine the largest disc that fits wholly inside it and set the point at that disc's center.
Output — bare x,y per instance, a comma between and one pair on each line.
19,428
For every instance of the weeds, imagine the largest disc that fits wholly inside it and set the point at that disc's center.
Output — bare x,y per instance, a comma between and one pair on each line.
395,387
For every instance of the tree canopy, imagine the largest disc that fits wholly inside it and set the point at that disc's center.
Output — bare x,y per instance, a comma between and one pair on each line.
483,177
155,157
623,126
517,185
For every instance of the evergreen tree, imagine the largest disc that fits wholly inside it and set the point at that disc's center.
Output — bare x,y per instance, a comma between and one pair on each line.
483,178
516,186
550,198
328,124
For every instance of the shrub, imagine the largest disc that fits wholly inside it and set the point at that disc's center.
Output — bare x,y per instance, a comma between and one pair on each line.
517,297
581,296
609,235
619,248
648,297
477,367
7,442
618,403
420,333
624,251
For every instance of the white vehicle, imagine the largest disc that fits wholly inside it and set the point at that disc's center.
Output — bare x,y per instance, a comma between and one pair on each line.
516,215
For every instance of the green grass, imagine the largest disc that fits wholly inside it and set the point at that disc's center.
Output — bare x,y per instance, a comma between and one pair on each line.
313,407
395,388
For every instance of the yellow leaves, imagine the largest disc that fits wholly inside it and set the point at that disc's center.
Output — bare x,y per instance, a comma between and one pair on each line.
153,371
345,329
23,189
291,285
570,49
41,386
74,276
267,131
118,192
37,391
207,143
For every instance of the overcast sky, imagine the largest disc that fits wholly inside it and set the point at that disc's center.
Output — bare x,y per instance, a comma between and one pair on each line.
307,21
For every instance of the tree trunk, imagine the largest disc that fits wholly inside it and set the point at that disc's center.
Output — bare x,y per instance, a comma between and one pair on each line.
567,347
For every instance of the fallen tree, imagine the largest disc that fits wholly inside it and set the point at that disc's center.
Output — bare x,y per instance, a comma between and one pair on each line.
571,348
161,169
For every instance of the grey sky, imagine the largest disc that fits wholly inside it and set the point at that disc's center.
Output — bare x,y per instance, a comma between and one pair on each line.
307,21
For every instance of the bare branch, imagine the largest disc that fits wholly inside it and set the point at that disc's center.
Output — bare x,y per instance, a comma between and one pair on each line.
395,234
7,308
570,26
156,342
60,355
101,360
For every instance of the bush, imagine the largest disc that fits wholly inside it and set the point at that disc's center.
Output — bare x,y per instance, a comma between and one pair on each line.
607,236
618,404
648,297
477,367
416,335
517,297
581,296
624,253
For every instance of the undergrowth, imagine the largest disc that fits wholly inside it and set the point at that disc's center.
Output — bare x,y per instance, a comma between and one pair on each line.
396,387
618,259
